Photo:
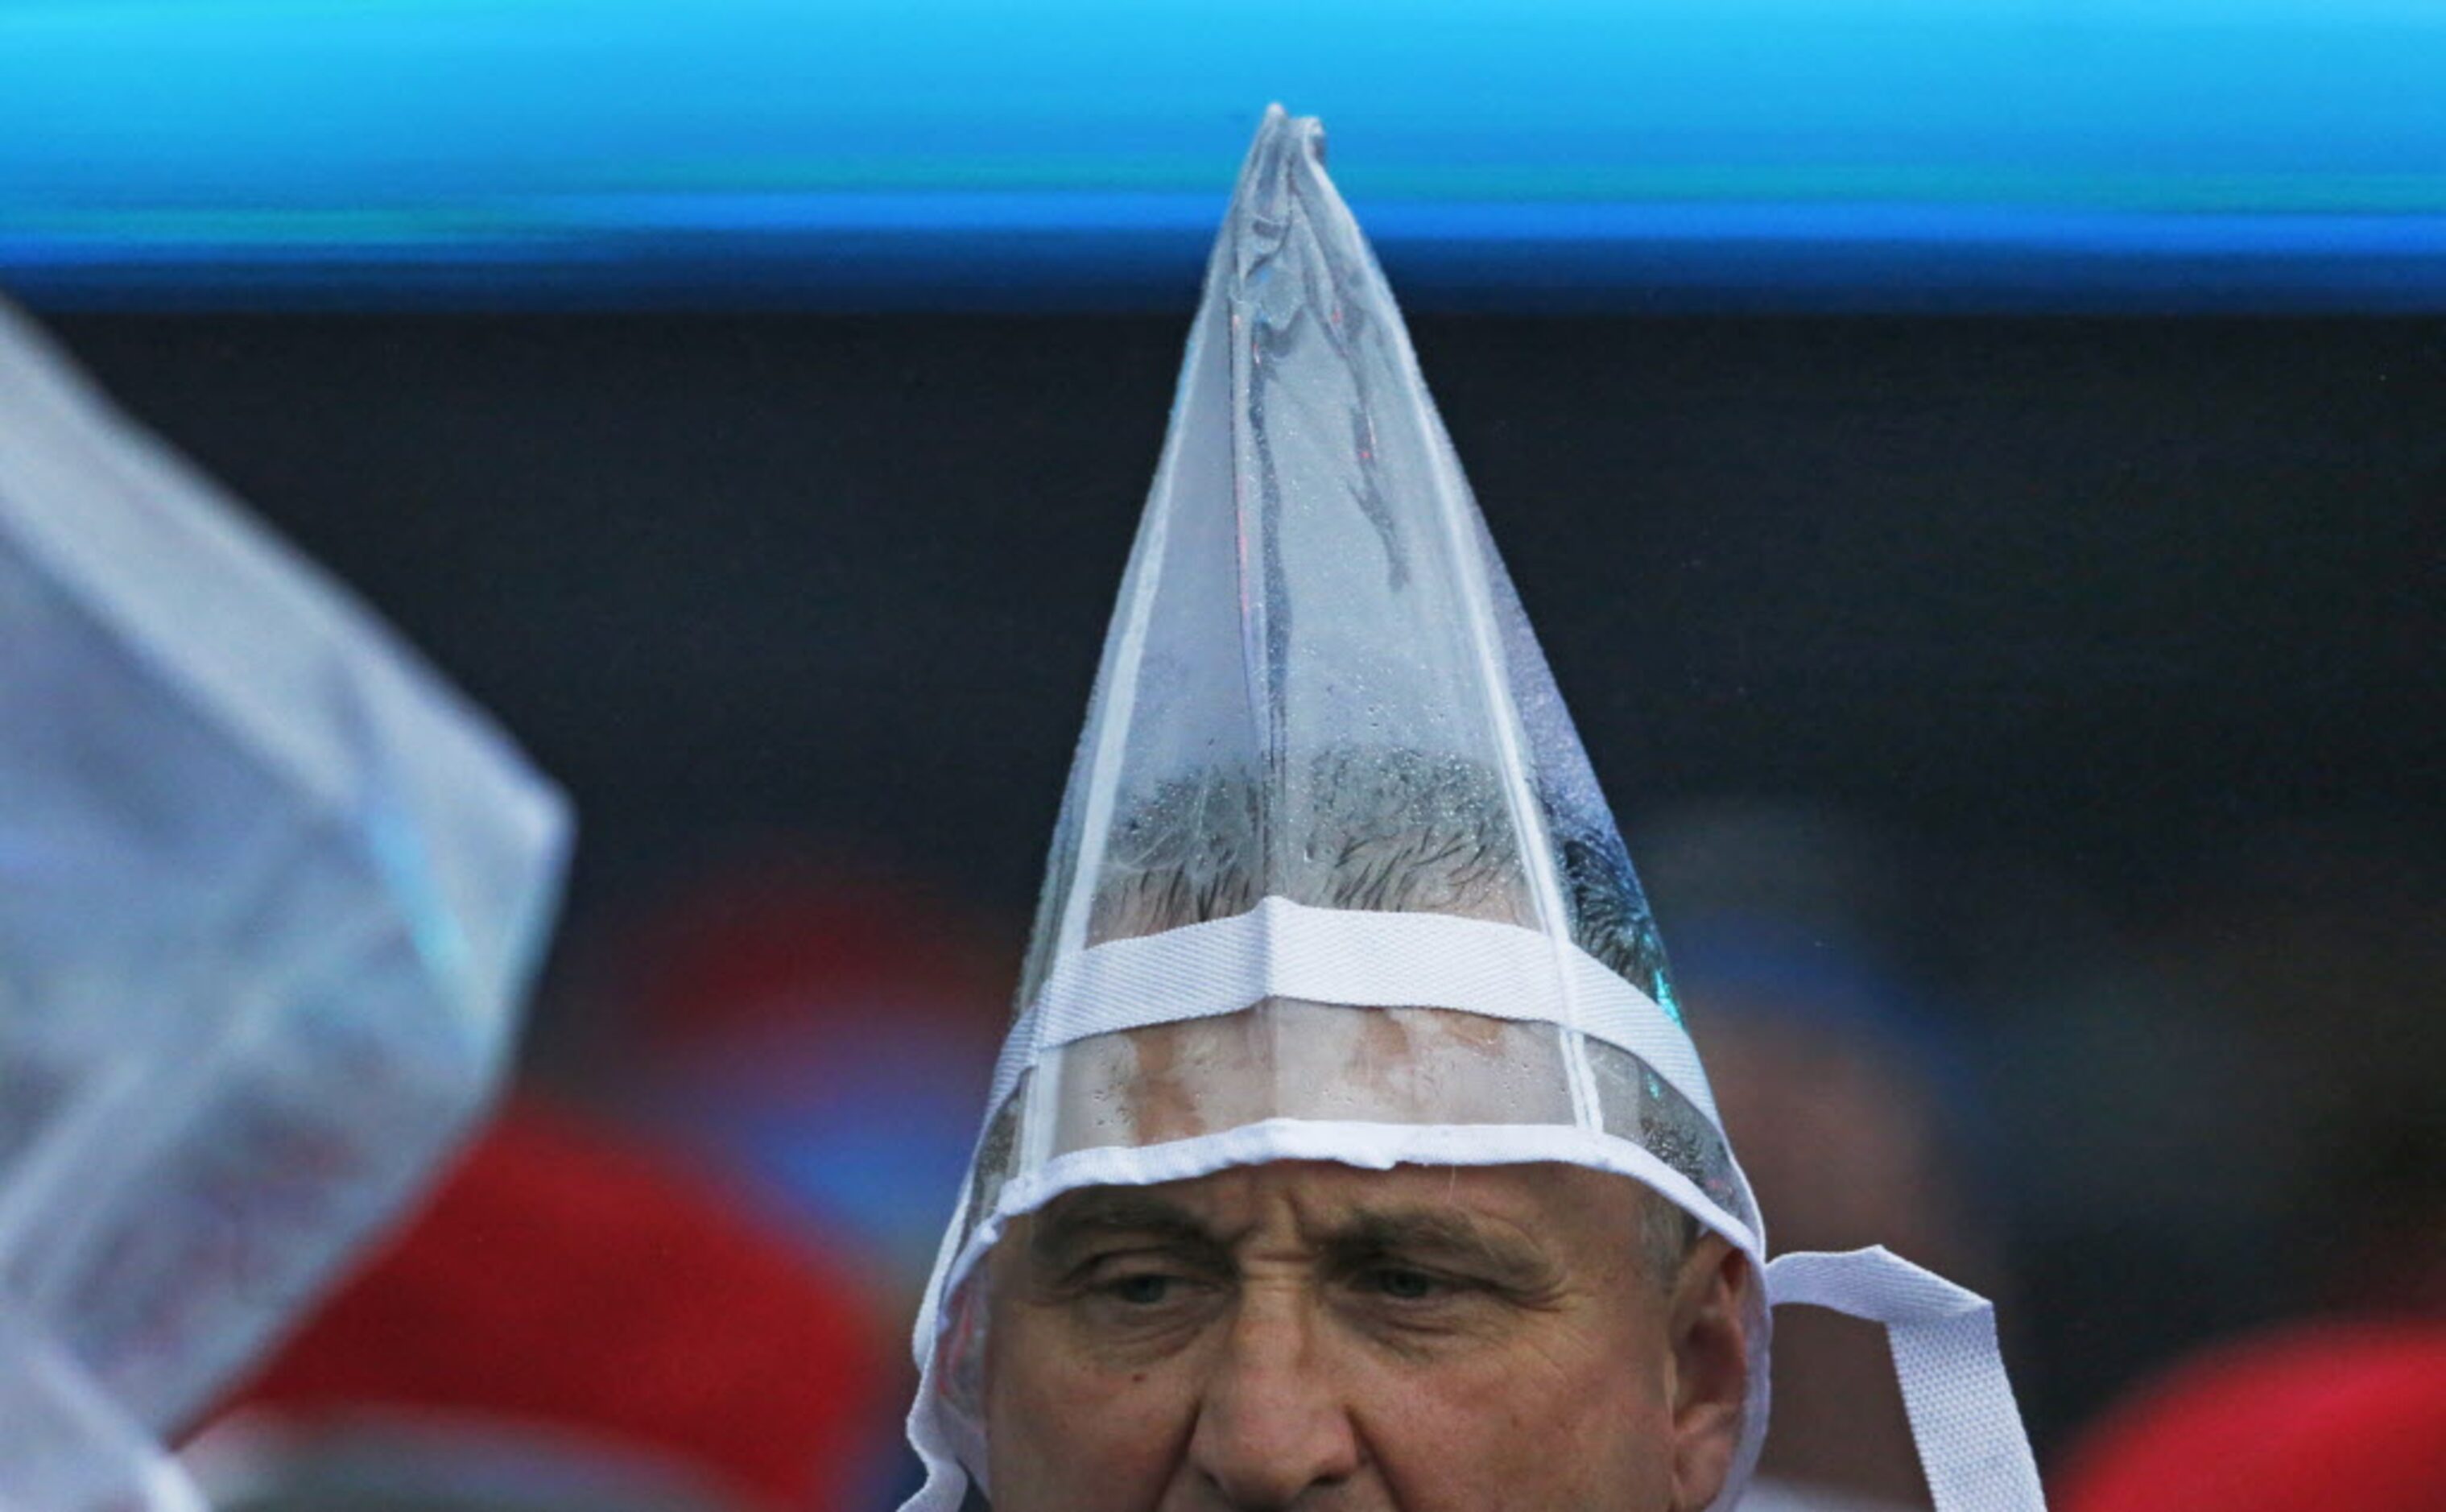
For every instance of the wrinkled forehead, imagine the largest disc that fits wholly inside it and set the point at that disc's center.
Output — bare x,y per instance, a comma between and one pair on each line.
1285,1058
1539,1216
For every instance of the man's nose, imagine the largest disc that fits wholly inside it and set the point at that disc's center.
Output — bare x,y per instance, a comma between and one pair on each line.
1274,1430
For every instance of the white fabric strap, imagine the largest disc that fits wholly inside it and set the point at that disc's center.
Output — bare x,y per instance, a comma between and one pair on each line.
1348,957
1367,1146
1962,1417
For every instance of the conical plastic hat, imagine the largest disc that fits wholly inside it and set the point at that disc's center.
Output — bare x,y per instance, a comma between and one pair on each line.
1314,620
1333,877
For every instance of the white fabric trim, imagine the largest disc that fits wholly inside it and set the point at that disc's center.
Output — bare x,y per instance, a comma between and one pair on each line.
1962,1416
1362,960
1368,1146
946,1483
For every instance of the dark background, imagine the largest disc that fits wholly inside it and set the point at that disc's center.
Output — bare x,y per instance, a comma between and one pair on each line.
2089,616
2102,588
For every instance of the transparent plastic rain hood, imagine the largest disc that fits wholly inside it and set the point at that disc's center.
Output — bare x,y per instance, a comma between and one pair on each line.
1332,879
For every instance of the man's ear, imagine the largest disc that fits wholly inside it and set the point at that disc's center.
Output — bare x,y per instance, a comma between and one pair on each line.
1711,1368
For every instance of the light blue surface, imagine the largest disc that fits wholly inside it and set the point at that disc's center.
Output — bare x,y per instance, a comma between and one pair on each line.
725,151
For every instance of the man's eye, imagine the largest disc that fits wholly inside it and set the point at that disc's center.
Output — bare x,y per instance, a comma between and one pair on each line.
1146,1289
1402,1284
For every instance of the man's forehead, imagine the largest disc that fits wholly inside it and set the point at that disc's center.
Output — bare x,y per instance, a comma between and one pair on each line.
1543,1204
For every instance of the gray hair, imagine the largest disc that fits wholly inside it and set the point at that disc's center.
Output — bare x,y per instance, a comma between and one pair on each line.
1392,830
1382,828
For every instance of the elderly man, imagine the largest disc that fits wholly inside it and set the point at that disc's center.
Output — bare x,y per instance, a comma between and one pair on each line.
1348,1154
1303,1333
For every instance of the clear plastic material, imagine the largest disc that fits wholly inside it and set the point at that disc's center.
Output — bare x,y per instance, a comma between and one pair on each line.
270,894
1316,644
1320,686
66,1445
1289,1059
1332,877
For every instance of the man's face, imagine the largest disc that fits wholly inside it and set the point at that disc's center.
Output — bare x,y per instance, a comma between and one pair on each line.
1305,1337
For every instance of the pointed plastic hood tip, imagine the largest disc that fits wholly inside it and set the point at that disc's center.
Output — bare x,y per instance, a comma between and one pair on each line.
1284,144
1282,184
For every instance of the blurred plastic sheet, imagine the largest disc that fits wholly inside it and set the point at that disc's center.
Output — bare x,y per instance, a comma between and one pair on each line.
64,1444
270,896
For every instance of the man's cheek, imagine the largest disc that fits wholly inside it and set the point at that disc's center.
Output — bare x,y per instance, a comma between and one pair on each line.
1538,1429
1110,1439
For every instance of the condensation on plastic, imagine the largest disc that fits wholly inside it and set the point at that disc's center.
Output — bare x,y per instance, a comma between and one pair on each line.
270,894
1316,639
1319,683
1319,687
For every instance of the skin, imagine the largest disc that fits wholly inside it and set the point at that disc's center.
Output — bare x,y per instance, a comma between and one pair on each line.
1306,1337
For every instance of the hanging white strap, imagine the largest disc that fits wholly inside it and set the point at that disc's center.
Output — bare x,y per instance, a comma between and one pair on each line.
1962,1417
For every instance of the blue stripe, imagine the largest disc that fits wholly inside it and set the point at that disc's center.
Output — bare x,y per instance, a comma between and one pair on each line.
2247,154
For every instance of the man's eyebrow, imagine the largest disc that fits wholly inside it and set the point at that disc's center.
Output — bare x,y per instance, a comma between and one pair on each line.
1059,1229
1431,1234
